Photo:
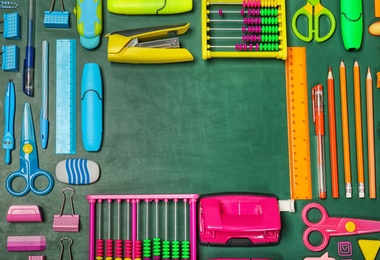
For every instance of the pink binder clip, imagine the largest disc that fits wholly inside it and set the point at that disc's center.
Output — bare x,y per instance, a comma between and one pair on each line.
66,223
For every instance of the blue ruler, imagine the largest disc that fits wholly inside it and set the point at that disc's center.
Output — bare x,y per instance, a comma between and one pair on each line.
65,96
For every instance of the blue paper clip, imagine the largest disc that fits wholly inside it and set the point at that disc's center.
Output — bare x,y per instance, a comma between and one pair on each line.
57,19
10,58
11,26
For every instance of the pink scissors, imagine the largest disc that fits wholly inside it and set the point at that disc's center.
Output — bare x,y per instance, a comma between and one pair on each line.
329,227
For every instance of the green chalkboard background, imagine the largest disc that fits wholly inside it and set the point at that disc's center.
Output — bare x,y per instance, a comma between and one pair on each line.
200,127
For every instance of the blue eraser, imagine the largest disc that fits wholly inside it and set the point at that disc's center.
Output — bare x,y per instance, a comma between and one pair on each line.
77,171
92,107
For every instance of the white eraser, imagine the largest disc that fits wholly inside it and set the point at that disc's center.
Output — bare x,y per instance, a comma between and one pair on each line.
77,171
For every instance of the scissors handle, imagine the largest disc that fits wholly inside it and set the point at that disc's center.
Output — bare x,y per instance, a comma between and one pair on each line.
29,183
319,11
303,12
329,15
313,227
313,247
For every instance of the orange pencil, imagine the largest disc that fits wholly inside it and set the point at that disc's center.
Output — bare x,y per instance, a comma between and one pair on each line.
345,130
371,140
359,134
332,130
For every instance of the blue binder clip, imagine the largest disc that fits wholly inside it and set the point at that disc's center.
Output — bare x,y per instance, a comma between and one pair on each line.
10,58
11,26
57,19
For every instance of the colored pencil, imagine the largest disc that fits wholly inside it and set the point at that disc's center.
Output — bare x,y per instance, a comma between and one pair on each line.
358,127
371,140
332,132
345,130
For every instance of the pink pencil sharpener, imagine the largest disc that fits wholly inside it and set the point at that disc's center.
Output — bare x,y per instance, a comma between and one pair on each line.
239,219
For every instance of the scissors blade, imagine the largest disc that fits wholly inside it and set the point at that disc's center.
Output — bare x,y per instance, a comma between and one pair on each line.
27,131
9,115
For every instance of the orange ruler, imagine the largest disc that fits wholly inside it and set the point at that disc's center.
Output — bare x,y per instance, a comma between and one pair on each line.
298,124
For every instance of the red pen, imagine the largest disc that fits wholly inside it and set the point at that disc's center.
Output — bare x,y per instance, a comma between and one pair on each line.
318,116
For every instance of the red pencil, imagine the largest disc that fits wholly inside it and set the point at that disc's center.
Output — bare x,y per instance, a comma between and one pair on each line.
332,131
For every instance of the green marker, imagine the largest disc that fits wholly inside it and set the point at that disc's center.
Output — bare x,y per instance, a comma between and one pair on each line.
351,15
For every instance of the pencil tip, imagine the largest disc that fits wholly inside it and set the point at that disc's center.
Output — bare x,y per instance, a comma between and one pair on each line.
330,69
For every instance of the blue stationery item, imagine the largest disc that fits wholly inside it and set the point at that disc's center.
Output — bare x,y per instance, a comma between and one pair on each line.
77,171
10,56
65,106
28,80
56,19
12,27
89,22
9,118
92,107
44,121
29,169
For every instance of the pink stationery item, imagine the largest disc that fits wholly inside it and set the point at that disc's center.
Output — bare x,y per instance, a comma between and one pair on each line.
36,257
239,219
329,227
26,243
324,257
164,212
66,223
24,213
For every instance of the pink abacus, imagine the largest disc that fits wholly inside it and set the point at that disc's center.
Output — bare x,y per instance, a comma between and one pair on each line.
136,241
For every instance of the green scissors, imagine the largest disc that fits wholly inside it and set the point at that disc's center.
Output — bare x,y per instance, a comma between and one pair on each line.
313,11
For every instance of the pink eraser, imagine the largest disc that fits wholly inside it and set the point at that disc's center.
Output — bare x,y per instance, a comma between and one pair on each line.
26,243
36,257
24,213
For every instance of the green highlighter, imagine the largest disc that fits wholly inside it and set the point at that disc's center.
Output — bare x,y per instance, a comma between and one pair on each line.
351,15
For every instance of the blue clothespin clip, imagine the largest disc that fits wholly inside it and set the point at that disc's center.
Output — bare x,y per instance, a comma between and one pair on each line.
10,58
57,19
11,26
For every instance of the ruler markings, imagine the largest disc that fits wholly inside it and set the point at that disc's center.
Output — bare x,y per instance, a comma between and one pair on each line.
298,124
66,96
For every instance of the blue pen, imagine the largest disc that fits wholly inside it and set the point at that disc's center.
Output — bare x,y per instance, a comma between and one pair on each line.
44,122
9,116
29,54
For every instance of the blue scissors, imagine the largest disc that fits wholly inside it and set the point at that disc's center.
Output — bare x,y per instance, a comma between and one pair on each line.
29,170
313,11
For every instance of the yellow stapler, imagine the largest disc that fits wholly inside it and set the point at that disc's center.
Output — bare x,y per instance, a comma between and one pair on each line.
141,46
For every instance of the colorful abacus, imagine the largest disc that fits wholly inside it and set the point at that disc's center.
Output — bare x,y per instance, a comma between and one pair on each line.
263,34
165,243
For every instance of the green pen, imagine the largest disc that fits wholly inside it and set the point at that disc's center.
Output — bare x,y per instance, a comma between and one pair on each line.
351,16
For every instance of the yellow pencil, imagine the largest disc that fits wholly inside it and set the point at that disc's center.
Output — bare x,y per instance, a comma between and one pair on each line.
345,130
371,140
359,134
